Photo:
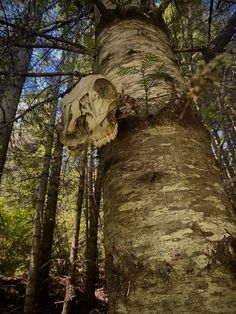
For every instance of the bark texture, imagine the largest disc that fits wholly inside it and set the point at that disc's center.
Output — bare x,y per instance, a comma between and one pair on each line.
139,39
168,222
166,216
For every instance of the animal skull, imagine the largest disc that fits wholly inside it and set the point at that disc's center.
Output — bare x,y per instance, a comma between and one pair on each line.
89,112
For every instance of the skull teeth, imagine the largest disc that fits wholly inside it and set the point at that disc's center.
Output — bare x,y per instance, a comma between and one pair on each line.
106,139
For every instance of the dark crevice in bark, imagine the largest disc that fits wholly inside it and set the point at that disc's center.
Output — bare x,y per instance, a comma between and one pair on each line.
169,114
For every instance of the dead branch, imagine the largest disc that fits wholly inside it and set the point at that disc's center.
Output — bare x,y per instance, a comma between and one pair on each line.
46,36
45,45
44,74
196,49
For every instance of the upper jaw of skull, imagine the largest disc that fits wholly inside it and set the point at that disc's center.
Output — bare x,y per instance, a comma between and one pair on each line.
102,131
89,112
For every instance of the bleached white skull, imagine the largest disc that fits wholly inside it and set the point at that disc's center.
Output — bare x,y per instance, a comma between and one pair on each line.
89,112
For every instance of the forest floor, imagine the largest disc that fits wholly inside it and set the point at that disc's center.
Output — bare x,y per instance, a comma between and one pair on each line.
12,290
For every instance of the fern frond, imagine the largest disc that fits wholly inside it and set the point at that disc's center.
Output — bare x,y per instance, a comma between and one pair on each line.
122,71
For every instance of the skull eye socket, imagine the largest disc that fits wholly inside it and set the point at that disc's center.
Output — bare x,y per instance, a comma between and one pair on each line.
81,122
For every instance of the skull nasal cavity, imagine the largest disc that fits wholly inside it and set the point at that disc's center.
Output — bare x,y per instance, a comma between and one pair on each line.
104,88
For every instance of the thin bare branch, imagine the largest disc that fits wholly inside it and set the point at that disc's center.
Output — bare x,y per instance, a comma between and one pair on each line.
46,45
44,74
196,49
46,36
58,24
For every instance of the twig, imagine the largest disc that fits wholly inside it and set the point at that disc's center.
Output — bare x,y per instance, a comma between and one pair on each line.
196,49
47,45
128,290
43,74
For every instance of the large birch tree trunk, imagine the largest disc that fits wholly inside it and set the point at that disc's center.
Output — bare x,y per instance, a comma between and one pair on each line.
168,222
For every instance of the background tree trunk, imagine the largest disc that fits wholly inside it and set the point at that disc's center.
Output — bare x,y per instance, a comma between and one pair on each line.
70,295
30,295
18,60
49,224
92,271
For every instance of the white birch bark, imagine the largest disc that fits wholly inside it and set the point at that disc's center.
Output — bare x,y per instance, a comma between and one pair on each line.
167,218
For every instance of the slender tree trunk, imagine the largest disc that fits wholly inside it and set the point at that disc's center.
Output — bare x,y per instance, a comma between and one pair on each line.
19,60
227,171
94,205
168,222
30,295
49,224
70,294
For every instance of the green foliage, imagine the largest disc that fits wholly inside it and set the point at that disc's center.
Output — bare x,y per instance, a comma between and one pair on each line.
210,113
149,72
15,232
122,71
149,61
